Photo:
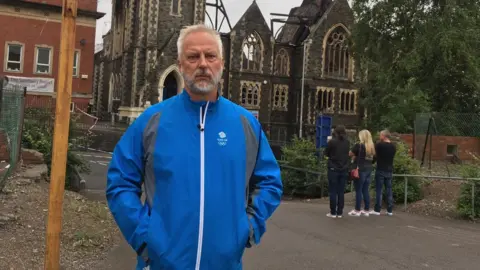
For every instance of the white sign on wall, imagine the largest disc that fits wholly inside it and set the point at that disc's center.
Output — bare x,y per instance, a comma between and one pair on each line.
34,84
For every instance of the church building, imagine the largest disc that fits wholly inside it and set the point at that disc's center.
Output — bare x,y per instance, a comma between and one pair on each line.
265,72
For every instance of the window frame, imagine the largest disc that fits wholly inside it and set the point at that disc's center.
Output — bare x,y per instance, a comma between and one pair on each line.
350,62
280,106
252,84
77,68
351,92
50,60
179,8
6,55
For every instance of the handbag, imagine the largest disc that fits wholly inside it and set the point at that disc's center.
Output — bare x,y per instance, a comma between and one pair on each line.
354,173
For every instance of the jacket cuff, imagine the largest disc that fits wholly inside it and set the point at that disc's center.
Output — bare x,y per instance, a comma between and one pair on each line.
143,252
252,237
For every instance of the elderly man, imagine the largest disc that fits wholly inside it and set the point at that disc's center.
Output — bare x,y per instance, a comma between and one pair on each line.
211,180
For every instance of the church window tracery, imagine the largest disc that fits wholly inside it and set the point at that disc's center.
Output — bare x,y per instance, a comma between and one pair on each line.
252,53
337,59
250,94
280,97
282,63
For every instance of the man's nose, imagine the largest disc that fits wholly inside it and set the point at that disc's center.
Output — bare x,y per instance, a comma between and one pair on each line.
203,61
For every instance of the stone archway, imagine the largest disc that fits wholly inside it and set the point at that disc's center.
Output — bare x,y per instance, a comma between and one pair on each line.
170,84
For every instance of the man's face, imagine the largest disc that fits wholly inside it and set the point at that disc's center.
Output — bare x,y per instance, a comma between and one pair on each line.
201,63
382,137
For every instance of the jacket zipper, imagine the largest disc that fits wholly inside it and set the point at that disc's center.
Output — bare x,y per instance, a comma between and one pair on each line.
203,116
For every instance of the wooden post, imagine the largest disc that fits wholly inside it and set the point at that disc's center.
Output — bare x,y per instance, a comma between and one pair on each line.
60,136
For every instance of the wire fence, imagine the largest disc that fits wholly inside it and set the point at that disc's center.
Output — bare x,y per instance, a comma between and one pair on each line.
12,100
445,136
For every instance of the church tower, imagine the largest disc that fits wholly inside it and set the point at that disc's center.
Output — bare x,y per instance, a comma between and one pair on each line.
145,33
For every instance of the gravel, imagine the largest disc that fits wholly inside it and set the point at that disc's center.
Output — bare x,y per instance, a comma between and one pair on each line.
88,230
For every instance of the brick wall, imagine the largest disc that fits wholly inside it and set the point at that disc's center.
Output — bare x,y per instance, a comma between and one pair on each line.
90,5
4,154
440,144
34,28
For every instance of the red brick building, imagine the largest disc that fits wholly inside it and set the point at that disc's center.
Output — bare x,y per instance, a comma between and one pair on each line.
30,41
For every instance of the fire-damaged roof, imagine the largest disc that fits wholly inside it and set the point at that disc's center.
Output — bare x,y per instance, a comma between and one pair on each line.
309,12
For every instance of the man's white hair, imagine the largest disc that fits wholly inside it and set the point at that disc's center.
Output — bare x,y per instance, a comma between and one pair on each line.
198,28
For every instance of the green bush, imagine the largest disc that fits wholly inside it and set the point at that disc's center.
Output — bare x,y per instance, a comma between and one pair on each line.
464,203
301,154
38,135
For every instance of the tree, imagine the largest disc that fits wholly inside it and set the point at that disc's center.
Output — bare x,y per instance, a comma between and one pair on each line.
415,56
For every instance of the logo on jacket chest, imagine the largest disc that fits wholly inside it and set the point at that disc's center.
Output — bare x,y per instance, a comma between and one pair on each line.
222,138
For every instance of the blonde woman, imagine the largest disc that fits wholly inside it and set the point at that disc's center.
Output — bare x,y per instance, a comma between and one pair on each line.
364,155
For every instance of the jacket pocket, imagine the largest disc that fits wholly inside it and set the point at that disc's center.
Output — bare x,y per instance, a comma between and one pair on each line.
244,235
157,240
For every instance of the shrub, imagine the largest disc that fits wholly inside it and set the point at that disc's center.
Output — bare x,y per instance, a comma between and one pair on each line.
38,135
301,154
464,203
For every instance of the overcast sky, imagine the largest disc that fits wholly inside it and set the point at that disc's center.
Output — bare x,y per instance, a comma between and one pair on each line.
234,8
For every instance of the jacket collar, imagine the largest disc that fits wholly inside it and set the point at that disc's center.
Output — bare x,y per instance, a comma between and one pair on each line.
195,105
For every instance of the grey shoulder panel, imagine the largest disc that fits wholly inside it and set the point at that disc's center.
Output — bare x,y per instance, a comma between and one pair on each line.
149,139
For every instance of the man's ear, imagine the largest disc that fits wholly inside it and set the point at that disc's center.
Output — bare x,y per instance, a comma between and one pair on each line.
179,66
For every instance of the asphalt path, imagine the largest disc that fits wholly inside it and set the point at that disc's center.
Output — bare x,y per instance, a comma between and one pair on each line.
96,180
300,236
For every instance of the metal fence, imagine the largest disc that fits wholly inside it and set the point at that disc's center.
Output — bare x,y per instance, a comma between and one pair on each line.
438,135
12,102
448,124
319,180
406,177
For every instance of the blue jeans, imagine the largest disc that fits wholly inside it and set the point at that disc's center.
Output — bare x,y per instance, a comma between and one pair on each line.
381,179
361,190
336,188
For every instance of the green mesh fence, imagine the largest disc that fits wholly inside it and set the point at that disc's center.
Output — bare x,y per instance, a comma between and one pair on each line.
11,121
454,137
449,124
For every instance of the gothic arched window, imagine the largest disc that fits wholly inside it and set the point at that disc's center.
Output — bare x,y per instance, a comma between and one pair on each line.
280,97
337,60
252,53
250,94
348,101
325,100
282,63
117,90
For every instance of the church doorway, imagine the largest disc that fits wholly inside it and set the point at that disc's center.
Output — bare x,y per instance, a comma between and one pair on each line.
170,83
170,87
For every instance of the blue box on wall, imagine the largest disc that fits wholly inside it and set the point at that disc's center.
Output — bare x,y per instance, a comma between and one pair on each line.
323,127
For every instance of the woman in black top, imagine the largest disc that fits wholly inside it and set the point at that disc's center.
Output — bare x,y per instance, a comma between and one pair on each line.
337,153
364,155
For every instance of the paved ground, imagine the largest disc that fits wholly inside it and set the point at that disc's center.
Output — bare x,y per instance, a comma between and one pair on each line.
96,180
299,236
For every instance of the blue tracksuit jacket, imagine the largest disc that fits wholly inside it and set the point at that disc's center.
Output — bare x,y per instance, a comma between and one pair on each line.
211,181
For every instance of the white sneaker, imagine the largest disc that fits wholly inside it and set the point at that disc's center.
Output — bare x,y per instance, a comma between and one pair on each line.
365,213
331,216
354,213
389,214
373,212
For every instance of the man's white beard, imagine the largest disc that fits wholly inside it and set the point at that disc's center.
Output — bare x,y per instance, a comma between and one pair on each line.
202,87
